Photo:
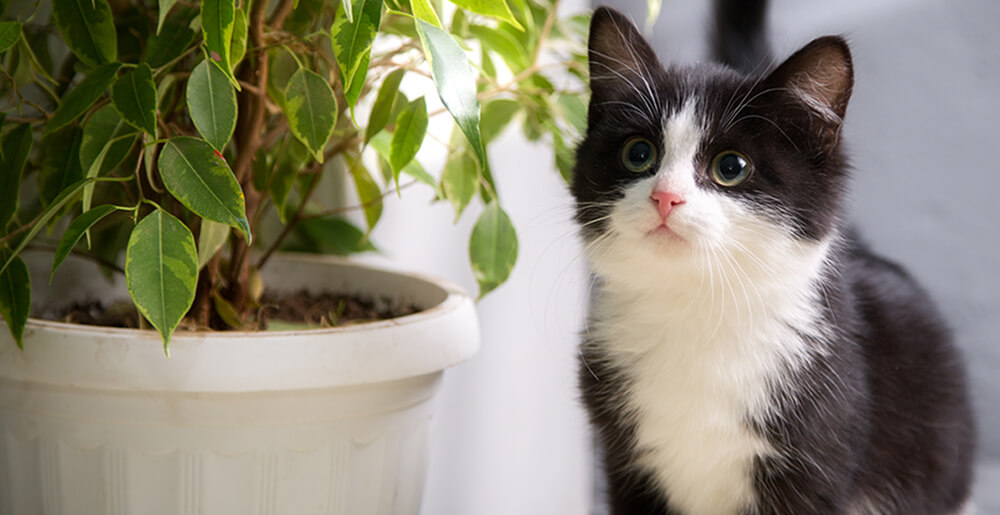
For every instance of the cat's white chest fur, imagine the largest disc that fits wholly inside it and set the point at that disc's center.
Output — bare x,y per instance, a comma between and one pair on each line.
698,376
704,351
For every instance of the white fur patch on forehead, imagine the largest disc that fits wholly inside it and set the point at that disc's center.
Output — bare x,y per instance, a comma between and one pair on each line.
682,133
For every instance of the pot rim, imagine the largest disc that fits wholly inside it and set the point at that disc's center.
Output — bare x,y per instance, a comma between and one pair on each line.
64,354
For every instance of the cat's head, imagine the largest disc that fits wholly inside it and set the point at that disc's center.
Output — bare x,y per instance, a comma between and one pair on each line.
682,165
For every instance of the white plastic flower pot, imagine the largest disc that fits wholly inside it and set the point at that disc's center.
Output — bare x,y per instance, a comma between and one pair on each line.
330,421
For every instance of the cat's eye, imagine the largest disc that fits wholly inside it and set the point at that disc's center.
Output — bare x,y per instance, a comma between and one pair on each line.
638,155
730,168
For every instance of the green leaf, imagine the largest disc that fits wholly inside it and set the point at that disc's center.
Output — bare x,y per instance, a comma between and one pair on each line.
14,148
161,270
382,108
83,96
88,28
164,8
494,8
333,235
60,153
238,48
105,128
352,44
574,110
211,102
411,127
368,192
283,178
381,142
497,114
503,44
55,207
423,10
492,248
134,96
75,231
652,12
311,110
460,180
198,176
210,239
456,82
226,311
348,10
10,32
15,298
563,154
172,39
218,18
96,166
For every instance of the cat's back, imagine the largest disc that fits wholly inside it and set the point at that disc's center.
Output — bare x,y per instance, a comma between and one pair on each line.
922,438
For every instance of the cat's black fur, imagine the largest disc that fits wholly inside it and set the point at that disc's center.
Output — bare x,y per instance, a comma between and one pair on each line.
896,427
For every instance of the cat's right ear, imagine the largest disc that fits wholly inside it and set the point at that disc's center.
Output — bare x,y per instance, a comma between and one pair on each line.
621,59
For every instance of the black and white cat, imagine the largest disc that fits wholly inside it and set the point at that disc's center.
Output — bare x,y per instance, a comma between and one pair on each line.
745,353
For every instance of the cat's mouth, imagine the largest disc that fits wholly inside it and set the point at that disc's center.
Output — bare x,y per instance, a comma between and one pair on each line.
664,233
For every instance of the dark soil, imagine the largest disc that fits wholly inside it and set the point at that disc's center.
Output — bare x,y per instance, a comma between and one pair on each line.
315,310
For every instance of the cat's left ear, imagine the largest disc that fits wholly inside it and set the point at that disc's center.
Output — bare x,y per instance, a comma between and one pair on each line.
820,76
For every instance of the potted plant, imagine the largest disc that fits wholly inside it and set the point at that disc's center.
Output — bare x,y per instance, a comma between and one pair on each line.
162,152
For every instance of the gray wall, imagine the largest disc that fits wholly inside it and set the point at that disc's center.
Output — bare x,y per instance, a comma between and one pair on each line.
923,130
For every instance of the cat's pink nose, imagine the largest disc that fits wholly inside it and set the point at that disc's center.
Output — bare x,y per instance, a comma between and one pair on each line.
666,202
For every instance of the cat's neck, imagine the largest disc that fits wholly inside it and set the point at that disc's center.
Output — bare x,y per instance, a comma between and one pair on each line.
728,299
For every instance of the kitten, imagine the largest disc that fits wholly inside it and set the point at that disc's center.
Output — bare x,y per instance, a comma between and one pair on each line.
745,353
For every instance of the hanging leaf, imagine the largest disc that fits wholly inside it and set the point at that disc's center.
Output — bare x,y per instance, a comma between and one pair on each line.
456,82
563,155
134,96
218,18
497,114
10,32
492,248
382,141
172,39
333,235
15,297
212,104
652,12
75,231
348,9
200,178
311,110
368,192
494,8
411,127
55,207
513,53
60,153
352,44
382,108
106,128
161,270
238,47
211,237
14,149
164,9
88,29
460,180
423,10
83,96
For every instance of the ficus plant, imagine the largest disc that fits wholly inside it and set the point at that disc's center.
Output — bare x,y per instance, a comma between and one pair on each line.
182,142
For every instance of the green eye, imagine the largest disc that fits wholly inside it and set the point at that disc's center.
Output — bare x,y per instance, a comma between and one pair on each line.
730,168
638,155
